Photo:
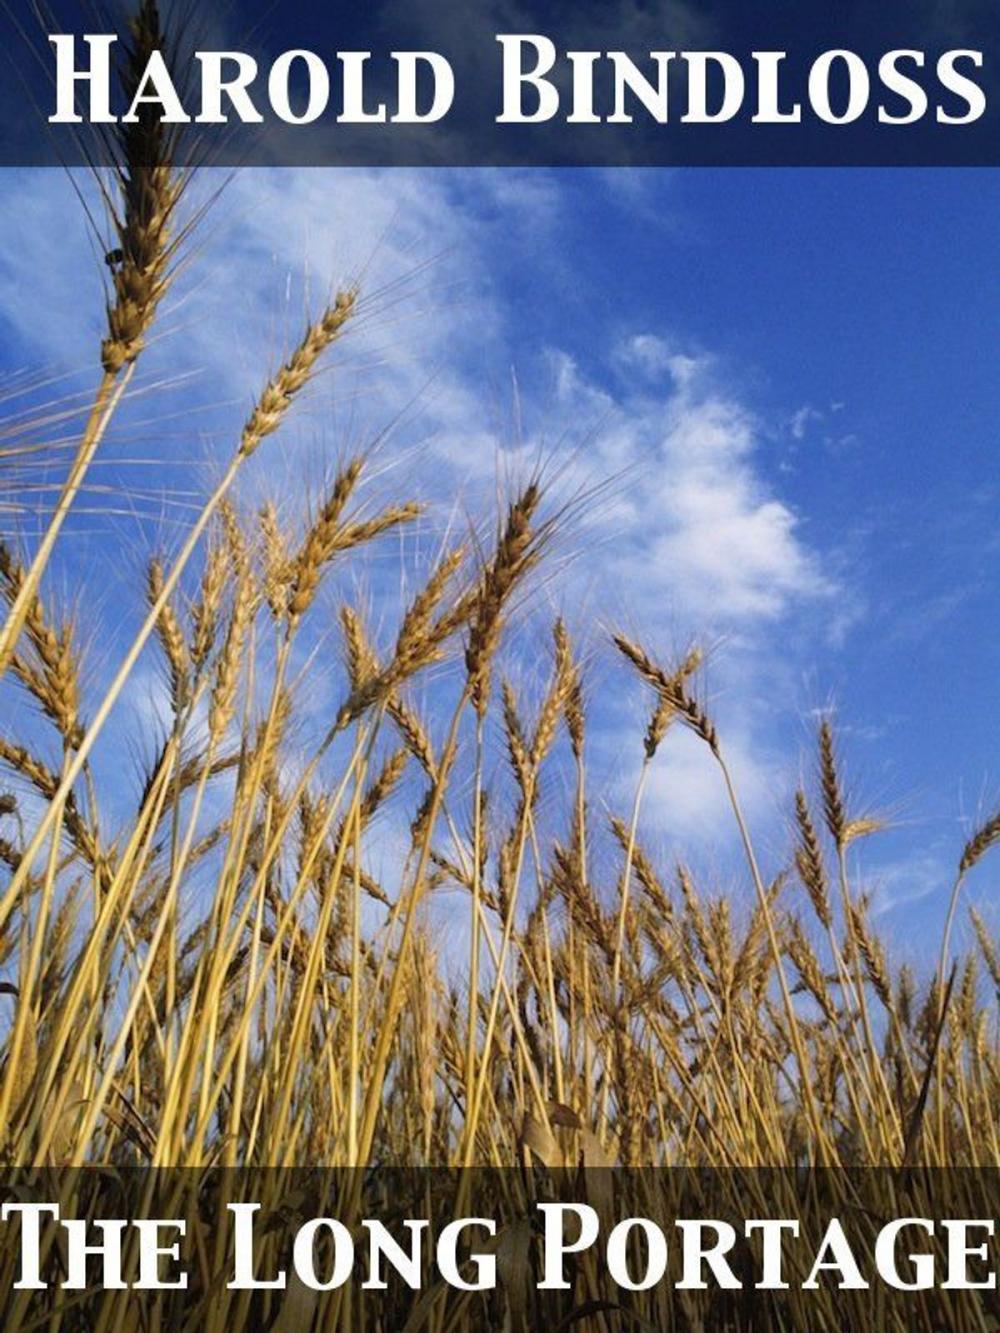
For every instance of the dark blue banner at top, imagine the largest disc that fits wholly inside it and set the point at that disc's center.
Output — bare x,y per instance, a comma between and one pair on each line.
433,83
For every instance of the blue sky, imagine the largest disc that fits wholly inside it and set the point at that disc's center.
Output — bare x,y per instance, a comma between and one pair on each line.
790,374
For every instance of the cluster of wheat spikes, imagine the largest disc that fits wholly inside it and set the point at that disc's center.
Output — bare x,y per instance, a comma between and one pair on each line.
225,979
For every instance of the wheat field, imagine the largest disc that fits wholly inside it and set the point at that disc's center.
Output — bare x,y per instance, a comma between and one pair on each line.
223,978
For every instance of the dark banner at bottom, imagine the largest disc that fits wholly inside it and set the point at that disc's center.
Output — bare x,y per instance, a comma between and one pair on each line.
397,1249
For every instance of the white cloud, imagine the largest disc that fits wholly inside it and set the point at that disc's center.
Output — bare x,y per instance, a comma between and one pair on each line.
655,357
698,527
686,798
801,419
908,881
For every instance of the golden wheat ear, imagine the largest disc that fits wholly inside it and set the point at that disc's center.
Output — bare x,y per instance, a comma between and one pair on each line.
149,186
141,205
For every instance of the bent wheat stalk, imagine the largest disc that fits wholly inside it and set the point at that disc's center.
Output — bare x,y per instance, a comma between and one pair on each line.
265,418
150,188
109,395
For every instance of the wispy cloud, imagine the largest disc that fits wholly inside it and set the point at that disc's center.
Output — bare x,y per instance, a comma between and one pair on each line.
700,528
